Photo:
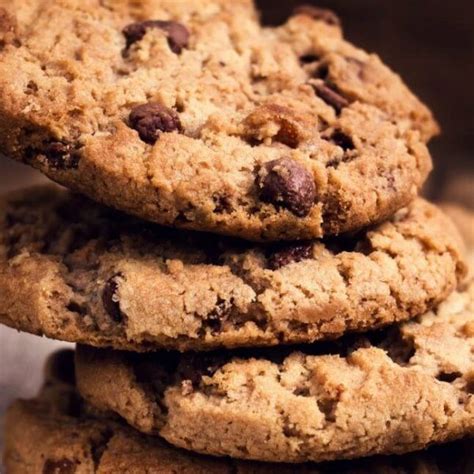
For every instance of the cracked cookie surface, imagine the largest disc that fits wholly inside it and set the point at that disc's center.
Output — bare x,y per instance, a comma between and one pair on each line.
387,392
174,111
55,432
463,218
75,270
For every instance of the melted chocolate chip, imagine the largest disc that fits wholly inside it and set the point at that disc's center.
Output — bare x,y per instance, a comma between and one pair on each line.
61,466
61,156
178,35
110,301
448,377
152,119
331,97
289,253
288,184
321,14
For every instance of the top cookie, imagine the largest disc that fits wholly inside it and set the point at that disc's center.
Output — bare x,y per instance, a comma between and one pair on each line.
193,115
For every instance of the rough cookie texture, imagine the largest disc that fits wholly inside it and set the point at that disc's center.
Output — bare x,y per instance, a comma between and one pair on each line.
463,217
50,435
172,111
379,393
75,270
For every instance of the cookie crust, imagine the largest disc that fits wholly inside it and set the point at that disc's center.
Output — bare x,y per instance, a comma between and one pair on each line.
230,98
380,393
52,432
74,270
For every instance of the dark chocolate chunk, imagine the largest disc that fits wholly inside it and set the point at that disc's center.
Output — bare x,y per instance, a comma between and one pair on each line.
152,119
288,184
289,253
330,96
178,34
110,301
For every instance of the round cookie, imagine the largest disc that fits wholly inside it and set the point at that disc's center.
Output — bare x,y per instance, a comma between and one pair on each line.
193,115
388,392
74,270
45,435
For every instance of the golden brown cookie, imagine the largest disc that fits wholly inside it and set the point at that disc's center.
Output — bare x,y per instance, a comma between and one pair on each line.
74,270
463,218
53,434
193,115
389,392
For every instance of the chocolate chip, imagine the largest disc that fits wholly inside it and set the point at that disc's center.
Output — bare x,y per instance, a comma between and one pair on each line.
320,14
109,299
342,140
61,156
448,377
178,35
151,119
290,253
288,184
61,466
330,96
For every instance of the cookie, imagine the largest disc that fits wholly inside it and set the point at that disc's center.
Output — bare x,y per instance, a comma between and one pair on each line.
193,115
74,270
386,392
49,435
463,218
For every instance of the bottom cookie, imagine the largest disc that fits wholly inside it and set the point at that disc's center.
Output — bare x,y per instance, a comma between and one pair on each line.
56,434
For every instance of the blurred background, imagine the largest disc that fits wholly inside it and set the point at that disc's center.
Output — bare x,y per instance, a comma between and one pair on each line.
430,43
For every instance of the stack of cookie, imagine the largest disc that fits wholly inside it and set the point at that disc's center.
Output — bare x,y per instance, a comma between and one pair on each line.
264,283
